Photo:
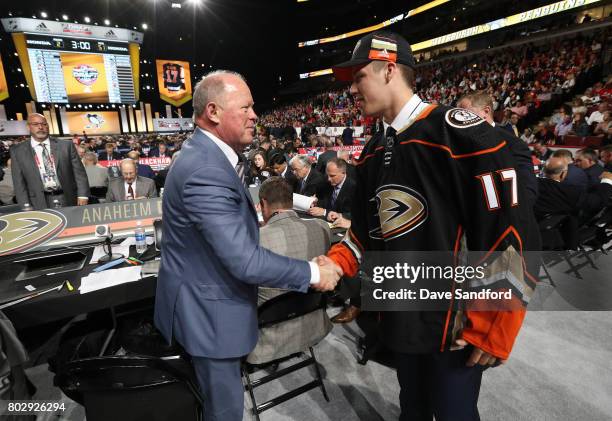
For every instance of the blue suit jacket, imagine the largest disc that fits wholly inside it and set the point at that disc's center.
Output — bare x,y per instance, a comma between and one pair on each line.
211,259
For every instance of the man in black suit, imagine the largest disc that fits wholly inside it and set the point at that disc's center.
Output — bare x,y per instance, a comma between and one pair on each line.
347,136
327,155
587,160
337,198
541,151
279,165
575,176
512,125
47,170
557,197
310,181
161,151
109,153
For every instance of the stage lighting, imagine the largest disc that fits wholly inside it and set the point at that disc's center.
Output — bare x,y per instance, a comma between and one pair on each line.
65,17
144,26
87,20
106,22
43,15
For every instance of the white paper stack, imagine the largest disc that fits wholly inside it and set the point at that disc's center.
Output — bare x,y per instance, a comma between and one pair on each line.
301,202
109,278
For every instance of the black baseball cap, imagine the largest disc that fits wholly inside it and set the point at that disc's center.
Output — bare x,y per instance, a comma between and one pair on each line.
379,45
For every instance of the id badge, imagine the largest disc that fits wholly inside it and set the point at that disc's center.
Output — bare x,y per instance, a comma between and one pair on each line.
49,183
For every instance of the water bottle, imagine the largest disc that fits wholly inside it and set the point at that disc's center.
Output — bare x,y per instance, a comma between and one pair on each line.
141,239
56,204
161,192
257,181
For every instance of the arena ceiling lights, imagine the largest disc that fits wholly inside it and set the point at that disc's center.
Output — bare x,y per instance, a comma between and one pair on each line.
540,12
376,27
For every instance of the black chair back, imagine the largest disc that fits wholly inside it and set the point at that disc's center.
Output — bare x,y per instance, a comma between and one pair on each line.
289,306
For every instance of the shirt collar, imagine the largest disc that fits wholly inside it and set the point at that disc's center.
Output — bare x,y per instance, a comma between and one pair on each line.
34,143
339,186
407,114
227,150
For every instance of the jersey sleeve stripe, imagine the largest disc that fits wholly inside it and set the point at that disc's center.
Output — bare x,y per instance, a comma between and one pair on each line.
451,153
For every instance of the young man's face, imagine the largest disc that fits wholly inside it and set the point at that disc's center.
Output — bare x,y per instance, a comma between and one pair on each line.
369,89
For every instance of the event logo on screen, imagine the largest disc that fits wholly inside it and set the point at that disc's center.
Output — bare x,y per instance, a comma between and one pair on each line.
85,75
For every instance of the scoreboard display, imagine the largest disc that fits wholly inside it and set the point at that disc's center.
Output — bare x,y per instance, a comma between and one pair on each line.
75,70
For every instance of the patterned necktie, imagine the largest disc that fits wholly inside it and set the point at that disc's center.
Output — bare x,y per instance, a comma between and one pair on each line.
241,169
48,165
334,196
130,192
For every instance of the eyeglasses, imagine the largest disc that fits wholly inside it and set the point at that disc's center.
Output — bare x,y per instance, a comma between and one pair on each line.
43,124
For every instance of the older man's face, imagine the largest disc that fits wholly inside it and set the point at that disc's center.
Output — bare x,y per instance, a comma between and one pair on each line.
237,117
300,170
39,128
128,172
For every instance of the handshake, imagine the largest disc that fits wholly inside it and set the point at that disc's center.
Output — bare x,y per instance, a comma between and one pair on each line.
330,274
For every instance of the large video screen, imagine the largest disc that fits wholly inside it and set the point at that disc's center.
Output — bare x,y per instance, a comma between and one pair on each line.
92,122
73,70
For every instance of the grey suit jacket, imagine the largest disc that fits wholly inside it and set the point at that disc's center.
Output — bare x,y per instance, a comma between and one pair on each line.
97,176
26,177
145,187
288,235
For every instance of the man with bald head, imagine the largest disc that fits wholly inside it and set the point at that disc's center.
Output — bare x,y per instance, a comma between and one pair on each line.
47,171
130,185
212,262
557,197
143,170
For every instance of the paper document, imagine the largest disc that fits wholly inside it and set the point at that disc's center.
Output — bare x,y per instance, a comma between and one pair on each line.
109,278
301,202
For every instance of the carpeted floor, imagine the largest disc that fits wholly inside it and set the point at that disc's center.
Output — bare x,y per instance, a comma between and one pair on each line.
560,369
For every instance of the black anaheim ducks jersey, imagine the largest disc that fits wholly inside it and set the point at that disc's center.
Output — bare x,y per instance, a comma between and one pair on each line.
447,175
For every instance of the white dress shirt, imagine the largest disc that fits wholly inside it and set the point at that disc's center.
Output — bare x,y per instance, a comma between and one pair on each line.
127,186
409,112
232,157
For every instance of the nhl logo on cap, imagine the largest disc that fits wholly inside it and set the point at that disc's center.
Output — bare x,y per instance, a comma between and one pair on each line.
461,118
383,49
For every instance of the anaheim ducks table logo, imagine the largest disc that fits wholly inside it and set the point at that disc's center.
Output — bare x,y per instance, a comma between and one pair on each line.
22,231
462,118
400,210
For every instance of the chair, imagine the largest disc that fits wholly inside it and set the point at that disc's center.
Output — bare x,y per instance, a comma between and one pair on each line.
279,309
99,192
132,388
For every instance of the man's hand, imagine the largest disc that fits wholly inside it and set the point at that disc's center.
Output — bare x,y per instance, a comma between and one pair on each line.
342,223
82,201
606,174
332,216
478,356
315,211
330,274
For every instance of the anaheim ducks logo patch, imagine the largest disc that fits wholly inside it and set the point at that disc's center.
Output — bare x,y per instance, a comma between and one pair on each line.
462,118
23,230
400,210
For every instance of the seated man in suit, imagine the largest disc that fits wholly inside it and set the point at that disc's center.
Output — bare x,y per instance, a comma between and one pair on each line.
338,197
279,165
605,154
161,151
142,169
556,197
327,155
575,175
130,186
587,160
310,181
288,235
109,153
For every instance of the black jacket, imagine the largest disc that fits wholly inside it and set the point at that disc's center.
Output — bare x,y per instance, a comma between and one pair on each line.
561,198
315,184
344,200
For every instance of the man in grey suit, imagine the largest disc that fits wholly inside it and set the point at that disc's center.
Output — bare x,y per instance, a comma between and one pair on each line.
288,235
130,186
96,175
211,260
46,170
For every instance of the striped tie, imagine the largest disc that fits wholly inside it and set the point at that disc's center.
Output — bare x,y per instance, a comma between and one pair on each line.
241,169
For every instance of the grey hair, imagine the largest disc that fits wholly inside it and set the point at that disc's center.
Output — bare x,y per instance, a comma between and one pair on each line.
209,89
303,159
90,156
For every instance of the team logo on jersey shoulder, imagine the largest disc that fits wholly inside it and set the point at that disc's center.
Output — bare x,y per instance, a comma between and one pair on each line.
462,118
400,210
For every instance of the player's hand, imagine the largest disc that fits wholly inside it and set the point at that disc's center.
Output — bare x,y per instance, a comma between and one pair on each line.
478,356
315,211
330,274
81,201
342,222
